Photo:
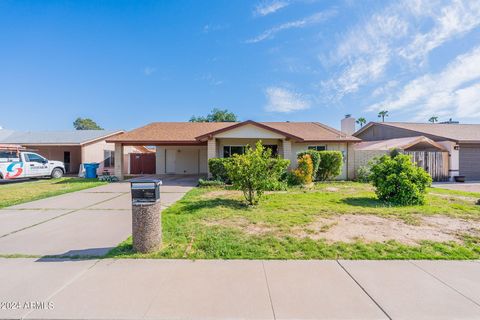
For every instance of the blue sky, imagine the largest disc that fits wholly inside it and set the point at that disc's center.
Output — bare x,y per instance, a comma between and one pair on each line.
128,63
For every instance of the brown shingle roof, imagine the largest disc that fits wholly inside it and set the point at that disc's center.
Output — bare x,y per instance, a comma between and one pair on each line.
458,132
192,132
400,143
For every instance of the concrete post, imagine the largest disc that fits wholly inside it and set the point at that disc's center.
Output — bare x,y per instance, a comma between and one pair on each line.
146,227
287,150
119,161
211,151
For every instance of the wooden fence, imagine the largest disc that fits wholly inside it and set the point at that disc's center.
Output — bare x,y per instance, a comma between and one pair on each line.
434,162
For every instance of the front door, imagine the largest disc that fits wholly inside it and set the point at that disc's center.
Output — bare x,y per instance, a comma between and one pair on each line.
35,165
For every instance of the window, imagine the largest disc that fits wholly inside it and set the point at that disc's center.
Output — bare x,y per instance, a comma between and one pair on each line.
272,147
6,156
229,151
33,157
317,148
109,157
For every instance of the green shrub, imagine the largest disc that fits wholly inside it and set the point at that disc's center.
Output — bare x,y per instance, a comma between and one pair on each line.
303,174
255,171
280,185
108,178
397,180
218,170
330,165
315,156
210,183
363,174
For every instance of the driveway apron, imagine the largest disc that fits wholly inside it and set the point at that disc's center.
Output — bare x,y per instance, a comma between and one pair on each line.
83,223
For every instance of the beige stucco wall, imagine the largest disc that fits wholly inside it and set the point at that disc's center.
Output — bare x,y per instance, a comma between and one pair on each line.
187,159
94,152
453,159
363,157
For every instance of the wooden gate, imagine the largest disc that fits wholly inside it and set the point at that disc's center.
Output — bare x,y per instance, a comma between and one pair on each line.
434,162
142,163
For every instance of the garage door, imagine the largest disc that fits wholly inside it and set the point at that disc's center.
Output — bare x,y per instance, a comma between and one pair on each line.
182,161
470,161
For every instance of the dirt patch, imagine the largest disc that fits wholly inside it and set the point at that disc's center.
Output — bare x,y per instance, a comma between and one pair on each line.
349,228
331,189
368,228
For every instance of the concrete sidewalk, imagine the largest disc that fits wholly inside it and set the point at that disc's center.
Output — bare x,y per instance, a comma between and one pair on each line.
238,289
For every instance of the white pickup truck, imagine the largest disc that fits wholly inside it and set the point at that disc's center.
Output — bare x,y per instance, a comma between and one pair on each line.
23,164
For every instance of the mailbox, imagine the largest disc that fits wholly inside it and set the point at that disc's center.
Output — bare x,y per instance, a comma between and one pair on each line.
145,191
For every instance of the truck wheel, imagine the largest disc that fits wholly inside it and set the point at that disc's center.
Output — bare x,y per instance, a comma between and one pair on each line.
57,173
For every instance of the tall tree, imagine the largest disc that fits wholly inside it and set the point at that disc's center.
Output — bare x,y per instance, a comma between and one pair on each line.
433,119
382,114
86,124
216,115
361,121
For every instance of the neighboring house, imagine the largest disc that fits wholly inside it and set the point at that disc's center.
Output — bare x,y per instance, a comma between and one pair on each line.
461,141
426,153
185,147
71,147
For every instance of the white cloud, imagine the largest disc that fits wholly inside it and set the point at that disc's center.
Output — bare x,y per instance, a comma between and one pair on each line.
450,22
149,71
393,35
284,100
363,70
313,19
268,7
455,91
385,89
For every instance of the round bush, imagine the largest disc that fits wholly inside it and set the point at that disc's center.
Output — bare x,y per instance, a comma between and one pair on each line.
397,180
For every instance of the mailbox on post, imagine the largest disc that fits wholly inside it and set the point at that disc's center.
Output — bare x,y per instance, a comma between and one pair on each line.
145,190
146,218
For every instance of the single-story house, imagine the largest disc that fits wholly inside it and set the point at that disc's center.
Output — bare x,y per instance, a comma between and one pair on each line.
461,141
185,147
71,147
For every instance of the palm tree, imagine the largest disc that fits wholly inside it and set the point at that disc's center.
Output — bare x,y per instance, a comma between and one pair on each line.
382,114
361,121
433,119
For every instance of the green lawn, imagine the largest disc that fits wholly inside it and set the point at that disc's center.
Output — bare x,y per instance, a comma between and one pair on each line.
211,223
21,192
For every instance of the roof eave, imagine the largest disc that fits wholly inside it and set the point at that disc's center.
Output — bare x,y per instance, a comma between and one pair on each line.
386,124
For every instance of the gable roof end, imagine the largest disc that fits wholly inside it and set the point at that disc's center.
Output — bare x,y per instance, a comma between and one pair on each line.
241,124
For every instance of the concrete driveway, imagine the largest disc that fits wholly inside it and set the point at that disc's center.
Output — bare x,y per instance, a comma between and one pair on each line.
83,223
466,186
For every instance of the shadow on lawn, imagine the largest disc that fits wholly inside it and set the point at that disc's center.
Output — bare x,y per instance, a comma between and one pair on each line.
367,202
